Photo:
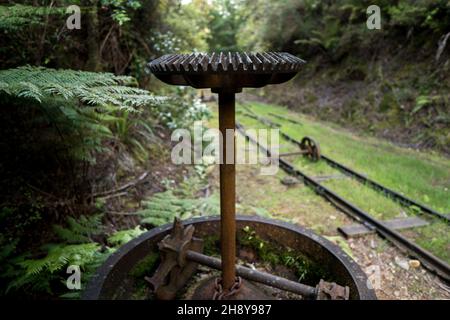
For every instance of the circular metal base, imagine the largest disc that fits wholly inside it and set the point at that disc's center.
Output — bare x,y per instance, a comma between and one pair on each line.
114,280
247,291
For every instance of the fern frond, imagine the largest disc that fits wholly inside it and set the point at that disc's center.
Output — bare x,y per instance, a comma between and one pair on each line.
89,88
60,255
121,237
16,17
80,229
163,207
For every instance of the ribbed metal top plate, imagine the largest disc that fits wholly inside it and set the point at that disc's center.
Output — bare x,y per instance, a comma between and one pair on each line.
226,62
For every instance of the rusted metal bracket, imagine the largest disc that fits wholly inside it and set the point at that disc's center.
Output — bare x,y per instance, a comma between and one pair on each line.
175,270
181,252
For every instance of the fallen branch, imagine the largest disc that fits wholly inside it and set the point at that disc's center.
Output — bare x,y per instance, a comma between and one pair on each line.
114,195
122,188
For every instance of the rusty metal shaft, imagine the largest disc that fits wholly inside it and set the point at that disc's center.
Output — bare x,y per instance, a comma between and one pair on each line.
257,276
227,189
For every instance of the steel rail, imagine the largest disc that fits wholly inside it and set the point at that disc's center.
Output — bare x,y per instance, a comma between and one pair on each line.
403,200
284,118
264,121
385,190
430,261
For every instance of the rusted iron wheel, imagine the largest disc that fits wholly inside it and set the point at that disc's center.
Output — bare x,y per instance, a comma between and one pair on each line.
114,279
312,147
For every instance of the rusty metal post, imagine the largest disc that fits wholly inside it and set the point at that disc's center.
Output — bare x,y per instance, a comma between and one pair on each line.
226,73
227,190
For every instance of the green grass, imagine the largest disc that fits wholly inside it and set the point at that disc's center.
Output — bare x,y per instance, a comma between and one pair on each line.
421,176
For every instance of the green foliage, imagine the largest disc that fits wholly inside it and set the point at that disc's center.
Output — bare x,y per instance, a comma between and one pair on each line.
262,212
47,274
43,274
78,234
120,7
68,120
142,269
421,176
59,256
406,14
80,229
163,207
424,14
226,20
131,131
14,18
435,238
67,99
332,28
181,202
185,28
342,244
421,102
166,43
388,102
87,88
121,237
181,113
307,271
342,52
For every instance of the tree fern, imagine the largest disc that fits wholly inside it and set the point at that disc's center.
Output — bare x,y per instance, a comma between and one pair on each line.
85,107
14,18
90,88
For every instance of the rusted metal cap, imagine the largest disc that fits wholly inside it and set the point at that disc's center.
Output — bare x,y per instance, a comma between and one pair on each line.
229,71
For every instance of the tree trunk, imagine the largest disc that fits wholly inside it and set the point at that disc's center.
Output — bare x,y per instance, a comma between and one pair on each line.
92,42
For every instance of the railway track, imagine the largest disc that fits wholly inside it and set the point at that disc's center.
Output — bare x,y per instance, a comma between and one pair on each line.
403,200
431,262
